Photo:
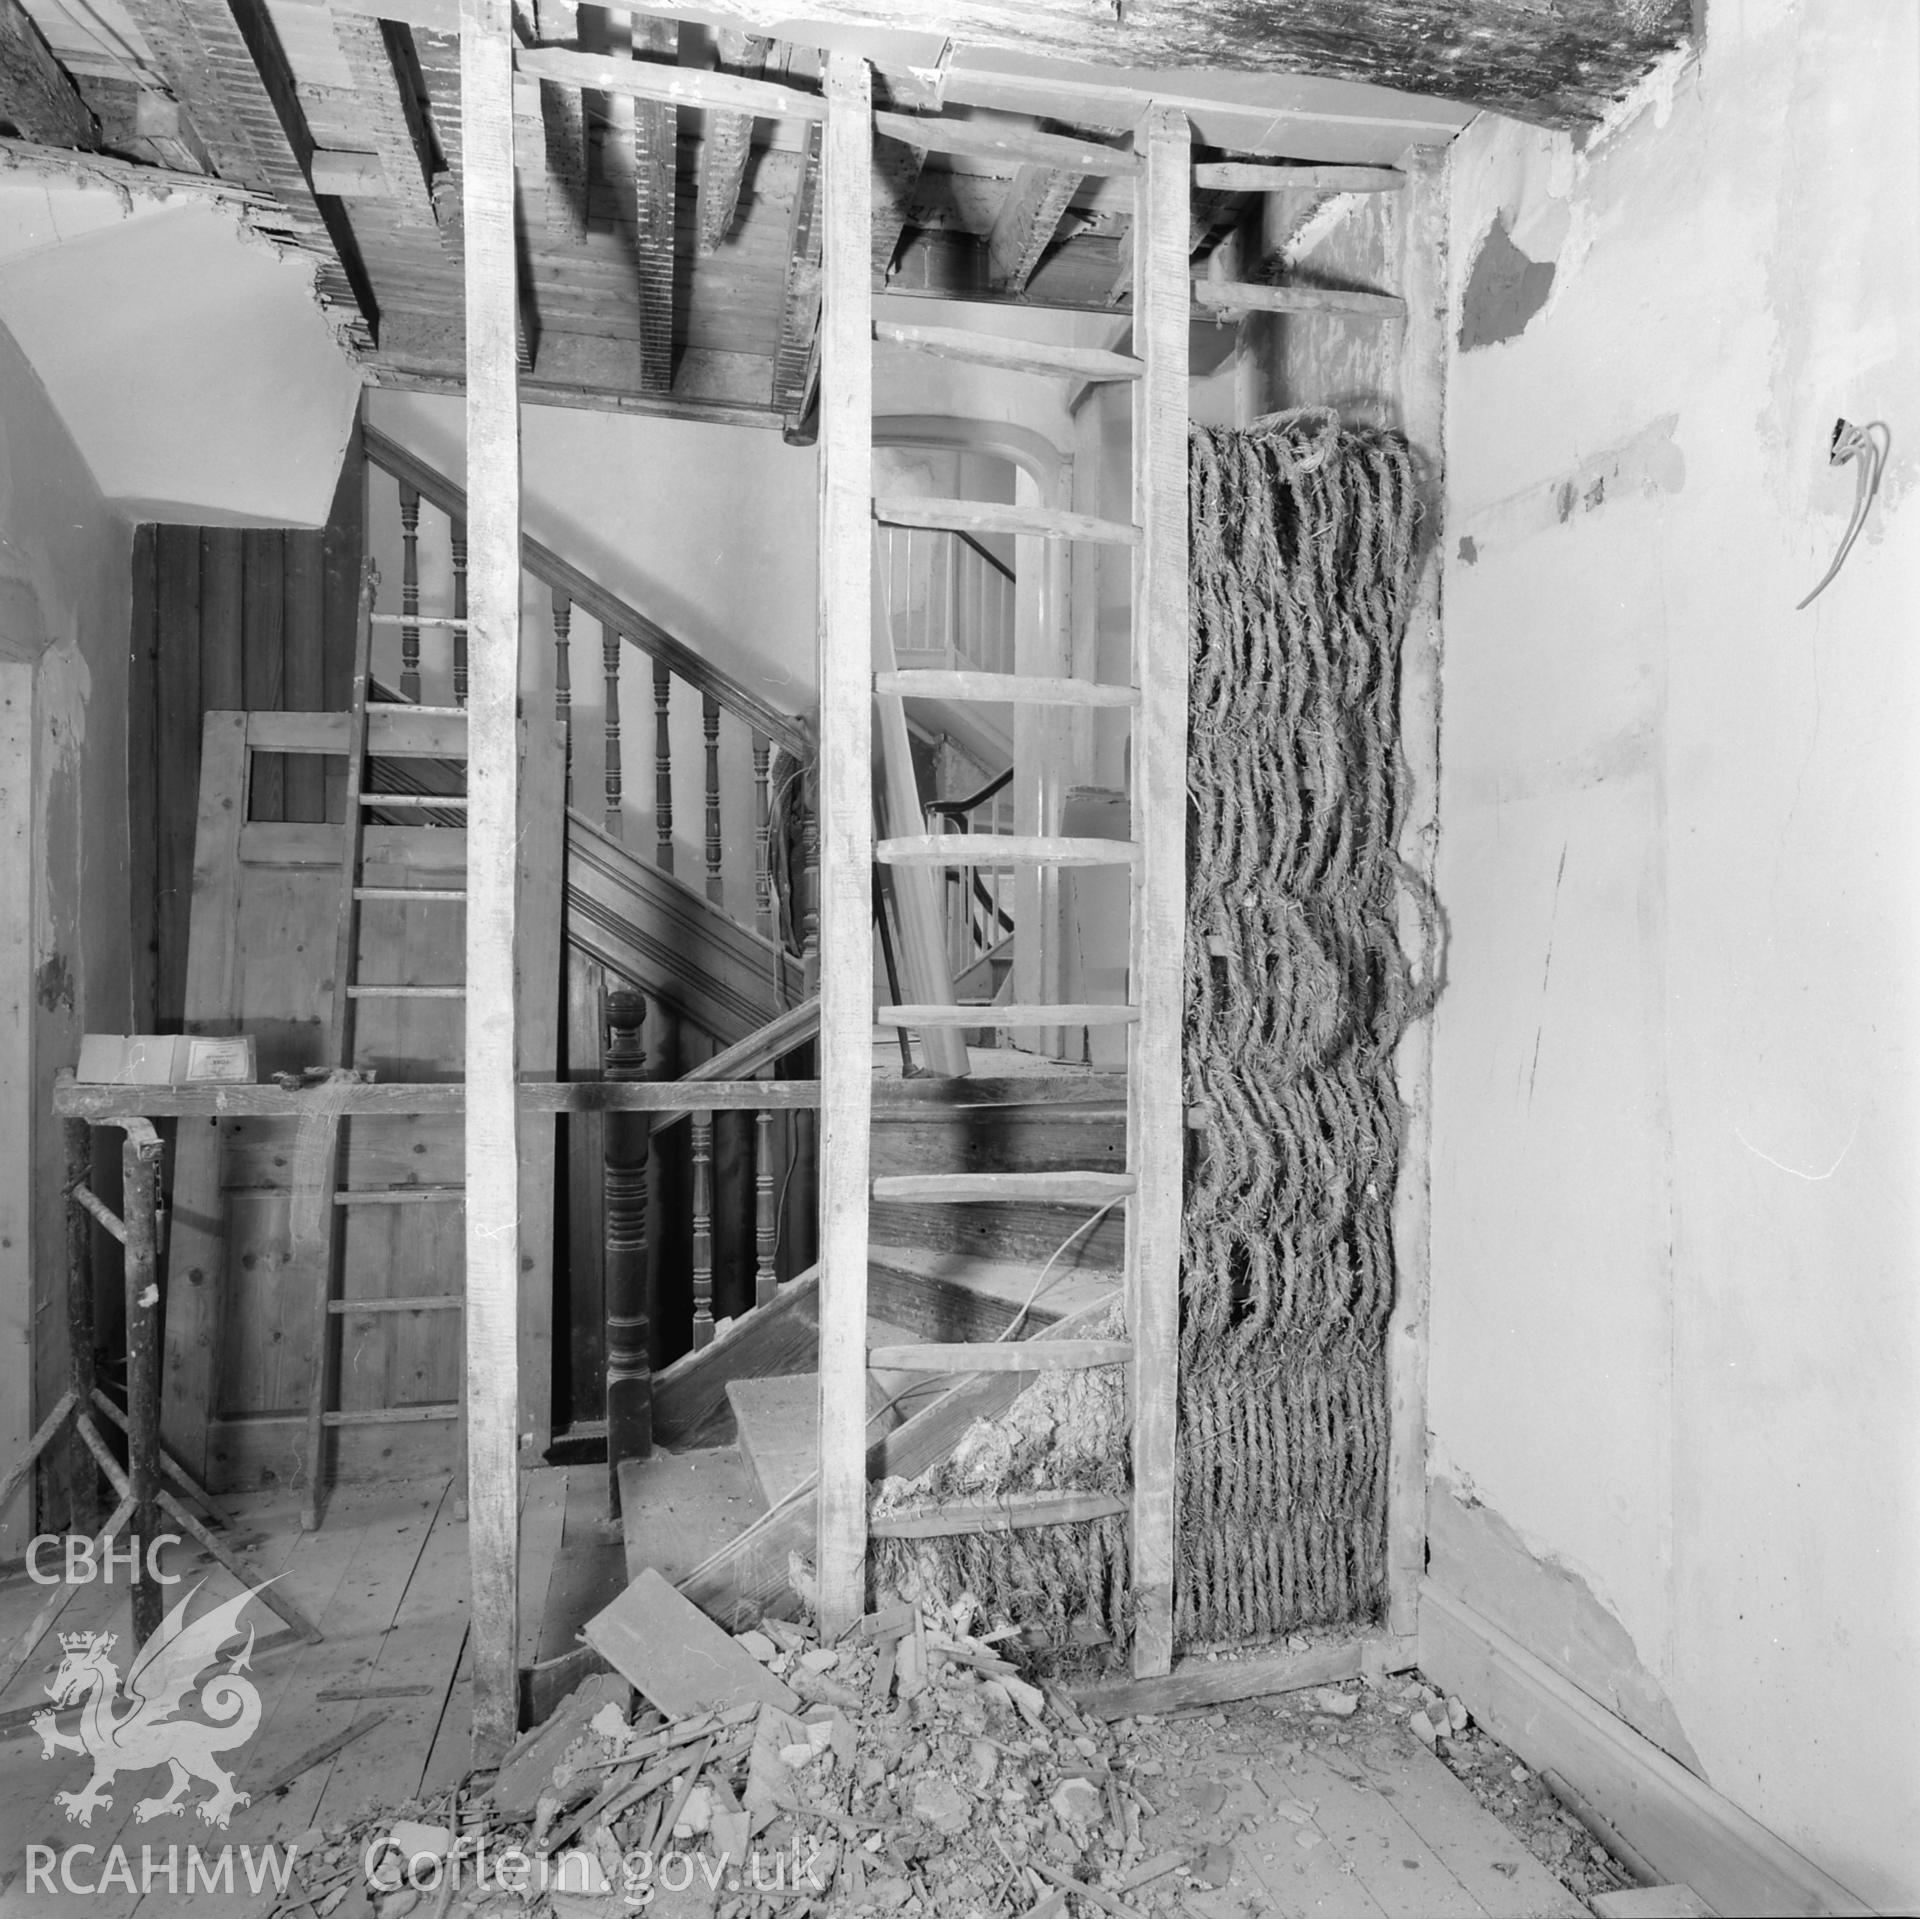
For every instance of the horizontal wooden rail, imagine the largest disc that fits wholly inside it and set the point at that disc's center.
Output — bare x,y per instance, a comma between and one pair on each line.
677,86
1058,1189
1015,356
1004,1515
1243,296
987,516
1247,176
1001,1356
993,140
1102,1013
1003,849
1020,689
108,1105
589,597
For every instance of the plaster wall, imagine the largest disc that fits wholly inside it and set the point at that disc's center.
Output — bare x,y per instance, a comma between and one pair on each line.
64,622
190,364
1675,1327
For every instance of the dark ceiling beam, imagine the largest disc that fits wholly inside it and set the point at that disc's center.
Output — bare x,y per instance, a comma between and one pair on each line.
800,305
656,135
1558,64
225,65
36,96
723,154
391,115
1023,229
896,172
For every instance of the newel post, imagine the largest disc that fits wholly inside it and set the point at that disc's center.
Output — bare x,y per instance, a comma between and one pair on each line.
629,1330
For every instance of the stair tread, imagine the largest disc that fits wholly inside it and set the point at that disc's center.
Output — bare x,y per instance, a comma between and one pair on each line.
1003,849
776,1428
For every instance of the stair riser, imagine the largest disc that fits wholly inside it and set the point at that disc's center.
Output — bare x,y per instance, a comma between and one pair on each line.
1030,1140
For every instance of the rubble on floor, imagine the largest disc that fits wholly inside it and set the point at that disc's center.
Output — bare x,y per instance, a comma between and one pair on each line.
915,1770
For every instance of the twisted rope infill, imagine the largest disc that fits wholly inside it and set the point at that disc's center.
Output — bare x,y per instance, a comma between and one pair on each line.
1067,1432
1297,993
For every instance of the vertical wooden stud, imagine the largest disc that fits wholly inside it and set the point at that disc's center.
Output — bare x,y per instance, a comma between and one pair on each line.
846,835
409,591
563,676
1156,1126
662,767
140,1203
492,1121
702,1128
1421,217
710,727
610,667
83,1507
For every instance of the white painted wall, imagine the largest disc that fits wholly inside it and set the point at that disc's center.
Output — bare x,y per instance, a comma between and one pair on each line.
65,582
1676,1324
188,361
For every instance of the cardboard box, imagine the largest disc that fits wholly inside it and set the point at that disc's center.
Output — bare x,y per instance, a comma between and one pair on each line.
165,1059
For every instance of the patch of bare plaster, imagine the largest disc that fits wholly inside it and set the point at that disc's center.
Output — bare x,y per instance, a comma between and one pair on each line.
53,984
1505,290
1648,464
1551,1610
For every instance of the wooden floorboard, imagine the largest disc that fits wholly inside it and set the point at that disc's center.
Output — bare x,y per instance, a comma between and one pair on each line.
385,1767
543,1519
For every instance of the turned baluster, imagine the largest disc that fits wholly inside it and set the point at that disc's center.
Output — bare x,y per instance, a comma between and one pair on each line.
563,677
629,1332
710,724
662,768
765,1285
762,847
409,592
459,612
610,665
702,1230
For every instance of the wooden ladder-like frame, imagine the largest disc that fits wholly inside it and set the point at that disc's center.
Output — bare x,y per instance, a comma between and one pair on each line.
1151,1187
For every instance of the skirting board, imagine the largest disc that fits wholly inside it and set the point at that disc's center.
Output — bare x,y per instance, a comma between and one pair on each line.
1684,1829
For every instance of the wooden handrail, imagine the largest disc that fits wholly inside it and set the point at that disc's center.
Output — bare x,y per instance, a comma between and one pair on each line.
745,1057
587,595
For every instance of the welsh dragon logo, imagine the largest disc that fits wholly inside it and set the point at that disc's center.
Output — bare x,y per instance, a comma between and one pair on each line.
148,1734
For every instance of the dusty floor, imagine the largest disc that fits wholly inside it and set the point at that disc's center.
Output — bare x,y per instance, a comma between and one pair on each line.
967,1792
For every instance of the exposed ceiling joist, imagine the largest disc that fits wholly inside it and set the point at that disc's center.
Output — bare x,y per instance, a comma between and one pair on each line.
655,145
390,112
1029,218
1559,64
36,95
896,169
800,306
564,123
723,155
